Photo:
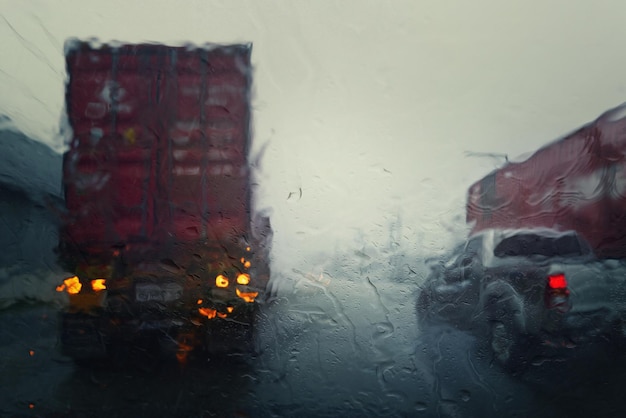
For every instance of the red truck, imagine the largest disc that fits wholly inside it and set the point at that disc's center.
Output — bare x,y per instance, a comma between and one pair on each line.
575,183
159,228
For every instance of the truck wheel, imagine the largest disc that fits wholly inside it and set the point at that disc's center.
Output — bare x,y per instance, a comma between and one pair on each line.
509,346
223,336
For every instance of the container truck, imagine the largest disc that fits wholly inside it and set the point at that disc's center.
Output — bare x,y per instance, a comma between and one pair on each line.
575,183
159,231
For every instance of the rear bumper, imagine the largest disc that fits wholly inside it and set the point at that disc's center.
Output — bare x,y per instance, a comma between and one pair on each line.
91,336
576,328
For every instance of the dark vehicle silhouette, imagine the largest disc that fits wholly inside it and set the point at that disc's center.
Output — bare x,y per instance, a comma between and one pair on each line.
160,231
529,292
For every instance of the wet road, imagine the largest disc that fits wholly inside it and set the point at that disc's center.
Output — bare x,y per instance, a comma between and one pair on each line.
327,346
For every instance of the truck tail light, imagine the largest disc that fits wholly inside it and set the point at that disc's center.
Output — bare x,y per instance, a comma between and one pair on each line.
557,293
557,281
98,284
243,278
221,281
72,285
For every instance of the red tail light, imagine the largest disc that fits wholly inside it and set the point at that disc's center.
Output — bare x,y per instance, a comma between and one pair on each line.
557,293
557,281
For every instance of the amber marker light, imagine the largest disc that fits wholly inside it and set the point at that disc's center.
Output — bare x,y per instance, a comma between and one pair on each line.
247,296
221,281
243,278
98,284
72,285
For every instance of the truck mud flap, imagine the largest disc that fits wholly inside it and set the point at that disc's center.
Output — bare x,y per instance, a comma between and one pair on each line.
81,336
230,337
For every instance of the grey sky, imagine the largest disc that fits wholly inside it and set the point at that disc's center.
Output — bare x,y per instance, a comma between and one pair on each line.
367,106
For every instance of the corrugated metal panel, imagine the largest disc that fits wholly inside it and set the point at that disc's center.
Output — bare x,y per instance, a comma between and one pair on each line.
576,183
159,147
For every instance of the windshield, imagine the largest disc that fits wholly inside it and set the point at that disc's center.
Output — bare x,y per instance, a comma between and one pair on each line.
240,208
528,245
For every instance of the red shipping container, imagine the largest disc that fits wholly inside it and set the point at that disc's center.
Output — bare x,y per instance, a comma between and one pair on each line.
575,183
158,155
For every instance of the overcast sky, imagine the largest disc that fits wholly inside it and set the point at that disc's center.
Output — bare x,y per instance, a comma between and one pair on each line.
369,107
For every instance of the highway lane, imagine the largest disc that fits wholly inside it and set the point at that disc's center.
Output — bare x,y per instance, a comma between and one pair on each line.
334,344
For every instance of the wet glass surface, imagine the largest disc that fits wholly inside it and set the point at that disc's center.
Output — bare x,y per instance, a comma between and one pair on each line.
346,159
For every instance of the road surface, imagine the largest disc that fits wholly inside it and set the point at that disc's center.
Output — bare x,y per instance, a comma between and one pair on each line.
333,344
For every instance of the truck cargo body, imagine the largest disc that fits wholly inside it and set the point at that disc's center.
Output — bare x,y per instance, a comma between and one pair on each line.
576,183
157,188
